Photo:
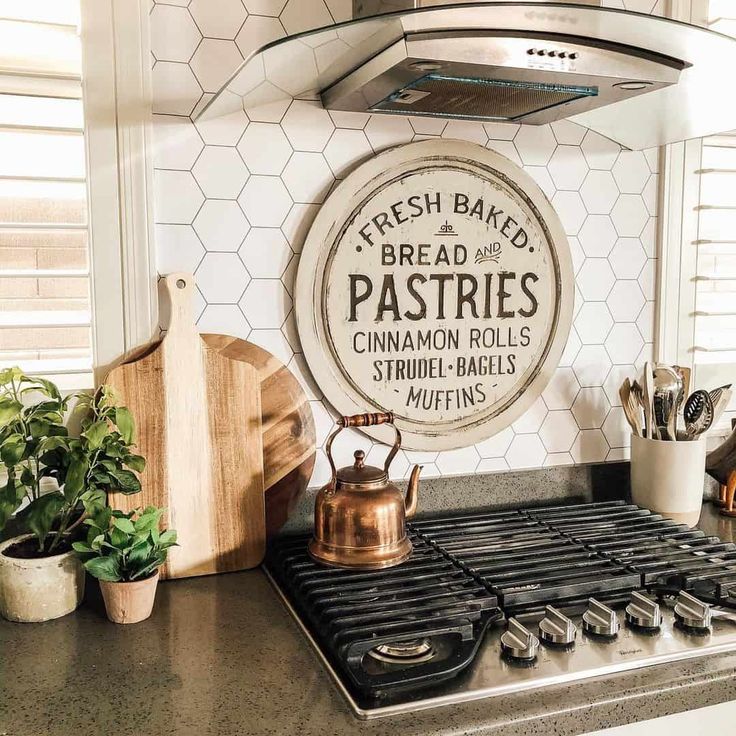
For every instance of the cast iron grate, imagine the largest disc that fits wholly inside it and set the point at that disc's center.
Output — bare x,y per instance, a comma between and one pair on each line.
668,556
350,613
470,570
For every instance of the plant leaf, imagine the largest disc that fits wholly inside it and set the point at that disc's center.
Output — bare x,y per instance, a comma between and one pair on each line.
104,568
11,495
9,410
41,513
93,501
136,462
118,538
125,481
95,433
12,449
126,425
75,477
168,537
125,525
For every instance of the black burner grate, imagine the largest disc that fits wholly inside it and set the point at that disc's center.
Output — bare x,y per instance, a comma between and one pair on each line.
353,613
468,571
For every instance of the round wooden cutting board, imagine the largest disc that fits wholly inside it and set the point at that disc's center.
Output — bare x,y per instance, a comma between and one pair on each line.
288,428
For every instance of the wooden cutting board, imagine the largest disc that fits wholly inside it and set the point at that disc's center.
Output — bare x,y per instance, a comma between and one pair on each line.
198,417
289,437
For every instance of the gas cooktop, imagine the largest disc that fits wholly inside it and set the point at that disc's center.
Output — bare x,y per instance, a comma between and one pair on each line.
500,602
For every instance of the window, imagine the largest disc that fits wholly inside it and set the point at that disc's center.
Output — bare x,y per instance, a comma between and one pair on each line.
698,259
45,312
714,327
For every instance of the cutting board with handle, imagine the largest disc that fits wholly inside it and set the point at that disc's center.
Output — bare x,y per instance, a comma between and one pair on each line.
289,436
198,421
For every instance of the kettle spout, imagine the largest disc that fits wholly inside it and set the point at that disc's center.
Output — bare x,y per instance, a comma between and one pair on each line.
411,494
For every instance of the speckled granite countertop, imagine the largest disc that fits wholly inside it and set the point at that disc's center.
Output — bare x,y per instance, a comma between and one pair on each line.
221,657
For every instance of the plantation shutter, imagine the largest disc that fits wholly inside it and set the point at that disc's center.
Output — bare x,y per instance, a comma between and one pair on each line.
45,314
714,339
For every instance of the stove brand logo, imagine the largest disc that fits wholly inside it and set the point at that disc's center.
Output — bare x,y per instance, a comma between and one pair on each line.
436,287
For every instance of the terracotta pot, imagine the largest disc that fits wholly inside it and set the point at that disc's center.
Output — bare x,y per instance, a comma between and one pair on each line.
39,589
129,603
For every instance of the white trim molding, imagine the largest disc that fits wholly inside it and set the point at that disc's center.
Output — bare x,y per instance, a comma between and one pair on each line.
117,96
677,257
677,229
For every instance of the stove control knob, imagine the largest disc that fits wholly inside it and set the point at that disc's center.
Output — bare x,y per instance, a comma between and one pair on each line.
643,612
600,619
517,642
692,613
556,628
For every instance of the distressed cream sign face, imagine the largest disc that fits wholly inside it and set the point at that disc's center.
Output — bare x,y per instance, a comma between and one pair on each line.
440,298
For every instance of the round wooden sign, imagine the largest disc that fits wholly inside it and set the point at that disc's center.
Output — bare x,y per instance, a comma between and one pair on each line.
435,283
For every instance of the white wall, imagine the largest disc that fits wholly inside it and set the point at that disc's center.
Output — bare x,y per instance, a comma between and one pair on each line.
234,199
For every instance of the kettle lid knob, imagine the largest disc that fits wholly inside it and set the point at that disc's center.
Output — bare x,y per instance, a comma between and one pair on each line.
359,456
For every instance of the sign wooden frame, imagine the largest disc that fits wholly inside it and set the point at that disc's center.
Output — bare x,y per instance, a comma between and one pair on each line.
348,268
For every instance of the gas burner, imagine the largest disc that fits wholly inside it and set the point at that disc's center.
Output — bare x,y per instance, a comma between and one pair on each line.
413,651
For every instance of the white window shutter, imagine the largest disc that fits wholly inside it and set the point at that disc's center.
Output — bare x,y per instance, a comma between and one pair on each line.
45,313
714,338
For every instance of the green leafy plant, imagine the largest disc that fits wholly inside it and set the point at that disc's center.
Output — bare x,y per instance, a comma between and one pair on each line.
28,434
36,444
122,547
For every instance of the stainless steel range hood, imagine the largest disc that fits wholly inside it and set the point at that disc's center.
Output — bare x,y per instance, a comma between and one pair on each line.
638,79
531,78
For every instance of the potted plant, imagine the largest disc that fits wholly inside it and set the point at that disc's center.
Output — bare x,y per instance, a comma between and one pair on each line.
40,576
124,551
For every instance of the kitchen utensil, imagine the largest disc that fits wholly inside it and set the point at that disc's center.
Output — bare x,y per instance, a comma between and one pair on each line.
721,403
648,394
198,417
359,516
686,375
630,405
698,413
288,428
667,396
637,394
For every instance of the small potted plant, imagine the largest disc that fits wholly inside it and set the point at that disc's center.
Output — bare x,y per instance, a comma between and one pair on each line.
40,576
124,551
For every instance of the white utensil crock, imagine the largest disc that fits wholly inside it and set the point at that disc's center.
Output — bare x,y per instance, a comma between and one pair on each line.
668,477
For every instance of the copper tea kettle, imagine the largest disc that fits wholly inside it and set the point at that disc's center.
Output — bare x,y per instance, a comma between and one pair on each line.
359,516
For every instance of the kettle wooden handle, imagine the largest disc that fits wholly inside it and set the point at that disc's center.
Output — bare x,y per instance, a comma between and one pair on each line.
366,420
362,420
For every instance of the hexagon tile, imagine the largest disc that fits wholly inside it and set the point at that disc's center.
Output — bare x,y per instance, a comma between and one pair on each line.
234,199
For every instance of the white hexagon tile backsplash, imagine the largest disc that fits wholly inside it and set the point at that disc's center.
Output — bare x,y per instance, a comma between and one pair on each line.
234,199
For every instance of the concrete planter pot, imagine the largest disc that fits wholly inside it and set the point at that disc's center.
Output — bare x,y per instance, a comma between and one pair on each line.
40,589
129,603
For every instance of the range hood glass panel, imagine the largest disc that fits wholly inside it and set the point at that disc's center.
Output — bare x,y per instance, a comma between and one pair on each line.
442,96
301,66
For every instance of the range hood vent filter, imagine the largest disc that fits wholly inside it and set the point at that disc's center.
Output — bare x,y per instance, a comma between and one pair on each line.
466,98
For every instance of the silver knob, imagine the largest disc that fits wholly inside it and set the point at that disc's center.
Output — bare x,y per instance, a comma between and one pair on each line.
643,612
518,642
556,628
691,612
600,619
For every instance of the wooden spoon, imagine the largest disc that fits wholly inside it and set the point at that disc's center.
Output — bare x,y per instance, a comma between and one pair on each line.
630,407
